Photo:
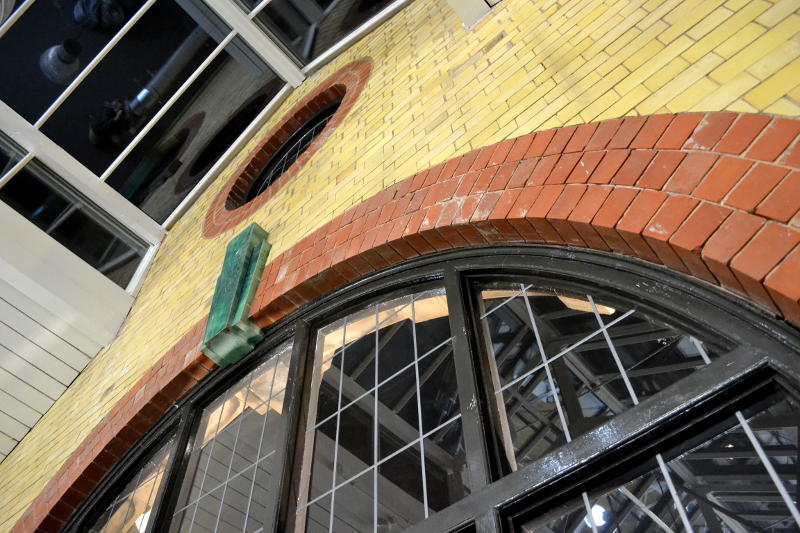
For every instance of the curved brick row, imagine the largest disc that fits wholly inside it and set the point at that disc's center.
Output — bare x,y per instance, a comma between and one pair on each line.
712,195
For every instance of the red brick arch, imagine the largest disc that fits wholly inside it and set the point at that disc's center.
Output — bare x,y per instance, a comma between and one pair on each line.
716,196
713,195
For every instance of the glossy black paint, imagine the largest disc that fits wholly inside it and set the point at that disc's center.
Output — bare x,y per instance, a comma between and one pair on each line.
765,354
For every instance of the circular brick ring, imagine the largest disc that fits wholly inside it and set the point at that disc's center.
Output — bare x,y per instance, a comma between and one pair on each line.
345,85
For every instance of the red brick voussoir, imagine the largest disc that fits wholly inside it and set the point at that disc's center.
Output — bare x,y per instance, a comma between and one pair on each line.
715,196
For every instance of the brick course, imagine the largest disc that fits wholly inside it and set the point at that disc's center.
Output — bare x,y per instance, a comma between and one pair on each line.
754,255
439,93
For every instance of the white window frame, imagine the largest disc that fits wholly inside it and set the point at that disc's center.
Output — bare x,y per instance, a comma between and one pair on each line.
37,145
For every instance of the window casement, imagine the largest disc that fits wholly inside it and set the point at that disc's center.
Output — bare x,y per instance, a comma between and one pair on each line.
529,389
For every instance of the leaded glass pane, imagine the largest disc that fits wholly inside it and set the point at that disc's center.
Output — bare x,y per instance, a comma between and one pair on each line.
231,476
132,508
722,485
559,358
385,447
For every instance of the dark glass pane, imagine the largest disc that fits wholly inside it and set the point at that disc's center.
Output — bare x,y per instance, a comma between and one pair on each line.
132,82
396,347
318,517
445,467
400,491
10,154
232,466
721,486
41,197
726,477
544,339
130,510
355,441
416,381
397,412
41,75
198,128
308,28
352,507
438,394
532,425
321,467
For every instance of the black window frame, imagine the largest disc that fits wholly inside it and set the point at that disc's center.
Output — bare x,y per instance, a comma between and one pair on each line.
765,352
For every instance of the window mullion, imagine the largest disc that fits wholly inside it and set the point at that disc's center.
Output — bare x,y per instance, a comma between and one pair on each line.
290,433
474,440
265,47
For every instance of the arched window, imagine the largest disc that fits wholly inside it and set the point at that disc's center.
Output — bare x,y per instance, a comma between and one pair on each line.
516,389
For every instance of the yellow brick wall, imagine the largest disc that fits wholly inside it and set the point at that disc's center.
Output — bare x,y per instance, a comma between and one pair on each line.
438,91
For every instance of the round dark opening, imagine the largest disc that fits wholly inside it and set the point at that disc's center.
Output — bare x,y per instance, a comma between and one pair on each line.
227,134
290,150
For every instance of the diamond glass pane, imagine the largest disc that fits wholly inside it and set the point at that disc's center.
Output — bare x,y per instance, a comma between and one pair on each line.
721,485
385,448
562,358
131,509
230,480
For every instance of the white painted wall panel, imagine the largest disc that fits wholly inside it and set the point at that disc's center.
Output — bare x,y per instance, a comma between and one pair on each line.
17,409
6,444
47,273
36,356
41,336
24,392
56,313
13,428
31,375
43,315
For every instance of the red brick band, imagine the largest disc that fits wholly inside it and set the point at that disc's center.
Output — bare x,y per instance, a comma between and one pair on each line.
716,196
345,85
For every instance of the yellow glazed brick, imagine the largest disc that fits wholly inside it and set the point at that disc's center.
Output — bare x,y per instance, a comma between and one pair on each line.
693,94
742,38
736,4
643,55
775,86
632,47
686,17
678,84
784,106
709,23
436,92
655,64
758,49
778,12
740,106
727,93
666,74
726,29
777,59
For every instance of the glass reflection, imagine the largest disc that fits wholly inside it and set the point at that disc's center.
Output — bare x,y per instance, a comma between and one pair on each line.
40,196
721,485
34,48
129,84
10,155
229,482
130,511
307,28
390,364
557,357
199,127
